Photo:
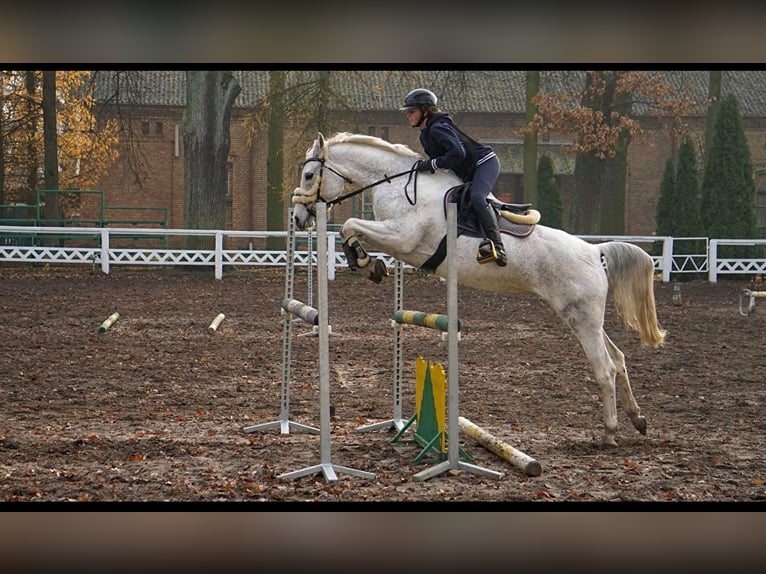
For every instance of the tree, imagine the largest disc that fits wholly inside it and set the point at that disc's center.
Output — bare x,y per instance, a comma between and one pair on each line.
678,208
84,148
50,145
687,202
714,101
549,200
728,188
530,139
210,98
275,196
666,205
600,120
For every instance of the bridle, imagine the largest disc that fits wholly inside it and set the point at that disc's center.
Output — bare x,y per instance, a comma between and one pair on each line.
314,197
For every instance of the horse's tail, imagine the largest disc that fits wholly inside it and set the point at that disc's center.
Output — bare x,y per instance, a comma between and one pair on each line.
631,278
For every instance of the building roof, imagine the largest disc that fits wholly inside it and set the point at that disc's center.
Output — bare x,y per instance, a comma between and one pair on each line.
492,91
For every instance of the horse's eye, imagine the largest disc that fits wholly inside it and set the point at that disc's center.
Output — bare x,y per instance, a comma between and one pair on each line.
308,176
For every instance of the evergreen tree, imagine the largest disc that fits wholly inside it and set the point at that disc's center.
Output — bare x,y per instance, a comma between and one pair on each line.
666,204
686,206
549,200
728,187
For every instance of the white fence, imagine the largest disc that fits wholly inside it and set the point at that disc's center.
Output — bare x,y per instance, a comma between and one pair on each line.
14,249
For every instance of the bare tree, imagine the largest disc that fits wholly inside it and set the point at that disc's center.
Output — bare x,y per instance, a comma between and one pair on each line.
275,162
52,209
530,139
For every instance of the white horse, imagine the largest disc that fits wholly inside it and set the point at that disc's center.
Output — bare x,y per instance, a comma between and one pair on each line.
571,275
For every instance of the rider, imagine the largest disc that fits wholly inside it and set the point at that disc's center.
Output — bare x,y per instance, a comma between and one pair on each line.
449,148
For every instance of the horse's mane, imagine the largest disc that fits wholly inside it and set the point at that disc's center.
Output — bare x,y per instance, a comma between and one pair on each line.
345,137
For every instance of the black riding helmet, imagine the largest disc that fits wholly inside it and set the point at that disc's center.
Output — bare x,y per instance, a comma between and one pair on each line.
419,98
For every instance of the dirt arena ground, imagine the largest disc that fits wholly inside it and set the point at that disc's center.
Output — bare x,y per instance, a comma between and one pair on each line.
154,408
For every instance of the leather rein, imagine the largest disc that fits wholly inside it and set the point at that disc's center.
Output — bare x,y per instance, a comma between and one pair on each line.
386,179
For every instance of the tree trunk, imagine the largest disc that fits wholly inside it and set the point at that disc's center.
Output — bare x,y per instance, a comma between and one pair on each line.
530,141
714,94
30,81
615,172
275,197
323,88
50,147
210,98
598,204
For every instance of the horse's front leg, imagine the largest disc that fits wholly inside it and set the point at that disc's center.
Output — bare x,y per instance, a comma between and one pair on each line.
386,236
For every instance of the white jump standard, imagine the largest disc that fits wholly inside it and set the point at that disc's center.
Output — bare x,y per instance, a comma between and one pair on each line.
284,423
325,465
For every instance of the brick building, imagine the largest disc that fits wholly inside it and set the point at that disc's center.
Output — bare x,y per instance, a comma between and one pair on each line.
487,104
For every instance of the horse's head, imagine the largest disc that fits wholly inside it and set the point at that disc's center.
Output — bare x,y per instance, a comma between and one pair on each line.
319,182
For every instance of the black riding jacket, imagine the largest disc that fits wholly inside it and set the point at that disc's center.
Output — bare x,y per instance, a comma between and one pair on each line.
449,148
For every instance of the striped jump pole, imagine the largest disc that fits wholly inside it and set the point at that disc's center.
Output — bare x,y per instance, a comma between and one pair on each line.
108,322
305,312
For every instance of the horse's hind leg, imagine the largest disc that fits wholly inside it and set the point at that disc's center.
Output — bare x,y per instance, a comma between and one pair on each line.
589,332
627,399
585,318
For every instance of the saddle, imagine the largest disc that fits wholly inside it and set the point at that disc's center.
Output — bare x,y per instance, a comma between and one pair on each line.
468,222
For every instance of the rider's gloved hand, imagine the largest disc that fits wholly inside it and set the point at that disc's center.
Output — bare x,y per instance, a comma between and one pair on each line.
424,165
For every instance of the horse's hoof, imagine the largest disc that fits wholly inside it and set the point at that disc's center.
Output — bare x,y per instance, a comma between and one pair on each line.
607,443
640,424
378,271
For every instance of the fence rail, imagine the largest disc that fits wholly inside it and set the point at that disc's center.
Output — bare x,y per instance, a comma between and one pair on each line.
19,244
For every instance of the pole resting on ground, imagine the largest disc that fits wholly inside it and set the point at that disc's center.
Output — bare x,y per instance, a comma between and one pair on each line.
108,322
502,449
216,323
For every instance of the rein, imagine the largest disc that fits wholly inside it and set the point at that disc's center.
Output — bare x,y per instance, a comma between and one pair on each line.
386,178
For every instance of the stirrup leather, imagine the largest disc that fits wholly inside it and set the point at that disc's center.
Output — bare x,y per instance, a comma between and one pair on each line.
486,252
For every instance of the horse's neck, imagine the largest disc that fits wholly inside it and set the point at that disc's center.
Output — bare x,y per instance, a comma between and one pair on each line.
371,164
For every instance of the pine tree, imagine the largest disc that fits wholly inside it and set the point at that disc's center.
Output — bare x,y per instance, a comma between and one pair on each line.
728,187
549,200
686,206
666,205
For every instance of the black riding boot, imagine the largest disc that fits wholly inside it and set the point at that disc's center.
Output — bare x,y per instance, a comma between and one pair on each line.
491,249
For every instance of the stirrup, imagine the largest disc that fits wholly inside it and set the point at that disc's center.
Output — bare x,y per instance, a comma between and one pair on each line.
486,252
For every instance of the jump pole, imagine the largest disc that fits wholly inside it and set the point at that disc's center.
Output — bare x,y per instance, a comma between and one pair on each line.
108,322
215,323
521,460
284,423
453,461
325,465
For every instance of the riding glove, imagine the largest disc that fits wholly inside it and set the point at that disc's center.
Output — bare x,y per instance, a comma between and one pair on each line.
424,165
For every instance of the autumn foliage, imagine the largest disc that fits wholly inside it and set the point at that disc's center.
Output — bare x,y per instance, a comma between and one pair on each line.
597,129
86,147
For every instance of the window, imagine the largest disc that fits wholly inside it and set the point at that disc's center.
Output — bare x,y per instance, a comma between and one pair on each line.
146,129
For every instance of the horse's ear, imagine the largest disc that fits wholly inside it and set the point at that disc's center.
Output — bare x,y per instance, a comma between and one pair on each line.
317,148
322,145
